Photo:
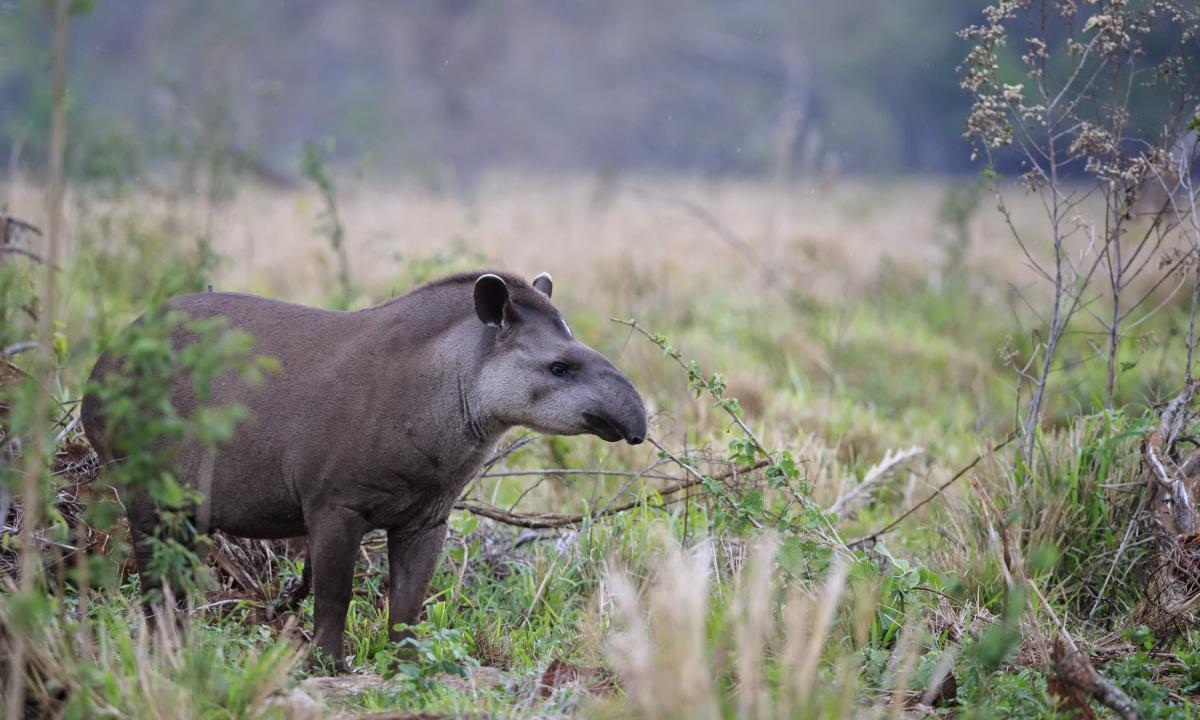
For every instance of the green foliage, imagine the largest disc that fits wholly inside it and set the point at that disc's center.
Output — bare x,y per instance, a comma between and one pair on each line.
789,510
428,654
1142,678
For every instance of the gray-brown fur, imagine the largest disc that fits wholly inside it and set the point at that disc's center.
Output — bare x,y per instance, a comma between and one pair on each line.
379,418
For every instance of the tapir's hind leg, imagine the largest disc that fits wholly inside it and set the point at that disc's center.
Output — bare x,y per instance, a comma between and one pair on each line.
144,529
411,562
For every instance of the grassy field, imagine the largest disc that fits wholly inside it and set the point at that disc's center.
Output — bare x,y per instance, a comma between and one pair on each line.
862,333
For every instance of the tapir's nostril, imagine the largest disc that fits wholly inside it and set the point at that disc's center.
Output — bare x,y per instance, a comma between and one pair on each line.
635,439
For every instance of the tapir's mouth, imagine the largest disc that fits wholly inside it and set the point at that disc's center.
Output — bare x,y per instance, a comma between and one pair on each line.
604,428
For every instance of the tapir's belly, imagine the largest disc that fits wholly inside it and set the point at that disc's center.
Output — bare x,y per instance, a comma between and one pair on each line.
253,502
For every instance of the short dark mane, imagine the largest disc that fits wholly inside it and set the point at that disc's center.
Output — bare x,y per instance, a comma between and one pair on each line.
522,292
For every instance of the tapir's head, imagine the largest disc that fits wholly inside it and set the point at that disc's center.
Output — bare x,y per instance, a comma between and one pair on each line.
535,373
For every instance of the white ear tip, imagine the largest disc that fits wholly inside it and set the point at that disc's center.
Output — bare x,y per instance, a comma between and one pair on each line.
490,277
545,275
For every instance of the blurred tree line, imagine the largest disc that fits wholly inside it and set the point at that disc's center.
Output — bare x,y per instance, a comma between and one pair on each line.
447,88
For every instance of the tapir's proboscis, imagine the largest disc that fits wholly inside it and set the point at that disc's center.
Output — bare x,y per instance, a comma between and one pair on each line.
378,419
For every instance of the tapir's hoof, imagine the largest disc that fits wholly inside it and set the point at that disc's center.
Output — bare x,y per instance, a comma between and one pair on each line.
323,663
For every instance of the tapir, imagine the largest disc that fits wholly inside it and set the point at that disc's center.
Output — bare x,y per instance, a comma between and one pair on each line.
377,419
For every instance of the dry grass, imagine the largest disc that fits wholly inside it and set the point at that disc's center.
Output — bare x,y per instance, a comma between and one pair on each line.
826,240
784,646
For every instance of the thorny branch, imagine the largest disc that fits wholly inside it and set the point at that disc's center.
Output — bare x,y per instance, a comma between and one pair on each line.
737,420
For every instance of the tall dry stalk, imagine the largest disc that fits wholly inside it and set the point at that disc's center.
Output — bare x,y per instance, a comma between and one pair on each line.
753,623
38,433
659,649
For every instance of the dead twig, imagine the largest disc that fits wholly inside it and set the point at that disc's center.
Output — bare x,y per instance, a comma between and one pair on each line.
17,250
579,471
14,228
17,349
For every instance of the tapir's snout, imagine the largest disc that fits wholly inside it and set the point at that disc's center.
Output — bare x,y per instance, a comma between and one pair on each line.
622,414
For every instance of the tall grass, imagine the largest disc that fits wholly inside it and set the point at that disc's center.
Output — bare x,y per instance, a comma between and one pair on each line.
146,670
689,645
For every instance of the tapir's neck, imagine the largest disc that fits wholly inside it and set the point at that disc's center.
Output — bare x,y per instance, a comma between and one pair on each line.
460,415
479,424
445,415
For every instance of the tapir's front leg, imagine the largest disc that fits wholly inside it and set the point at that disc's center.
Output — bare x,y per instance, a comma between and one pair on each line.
333,547
412,561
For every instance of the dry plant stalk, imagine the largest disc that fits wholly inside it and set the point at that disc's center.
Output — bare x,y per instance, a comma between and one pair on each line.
660,653
1077,110
1176,511
39,437
876,476
1171,602
752,625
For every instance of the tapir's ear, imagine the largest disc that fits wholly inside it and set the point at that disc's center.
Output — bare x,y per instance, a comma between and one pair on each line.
492,302
544,283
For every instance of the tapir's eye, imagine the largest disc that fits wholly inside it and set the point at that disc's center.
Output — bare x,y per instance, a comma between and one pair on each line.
559,369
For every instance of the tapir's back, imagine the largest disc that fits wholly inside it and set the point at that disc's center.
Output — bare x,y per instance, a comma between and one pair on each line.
287,332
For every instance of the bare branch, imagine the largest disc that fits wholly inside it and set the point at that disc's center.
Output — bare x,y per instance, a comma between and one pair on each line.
545,521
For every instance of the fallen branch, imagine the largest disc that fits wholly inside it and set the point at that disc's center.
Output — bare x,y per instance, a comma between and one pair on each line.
890,526
1170,485
588,472
1076,679
1171,597
546,521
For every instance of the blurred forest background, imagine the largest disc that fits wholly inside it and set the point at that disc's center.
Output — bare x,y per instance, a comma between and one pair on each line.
442,90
